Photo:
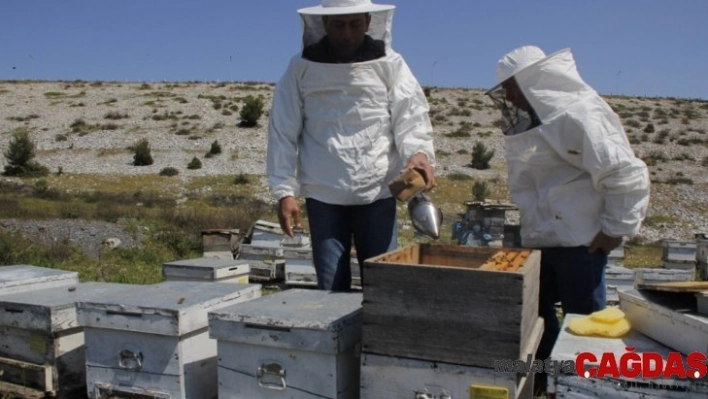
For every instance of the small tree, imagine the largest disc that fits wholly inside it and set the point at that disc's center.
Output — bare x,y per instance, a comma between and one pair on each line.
214,150
143,156
251,111
20,155
480,190
195,163
481,156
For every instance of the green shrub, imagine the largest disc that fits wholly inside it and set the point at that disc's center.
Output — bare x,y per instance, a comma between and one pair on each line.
214,150
459,133
481,156
115,115
679,180
251,111
480,190
632,123
169,171
649,128
195,163
78,125
654,158
20,155
661,138
241,179
142,154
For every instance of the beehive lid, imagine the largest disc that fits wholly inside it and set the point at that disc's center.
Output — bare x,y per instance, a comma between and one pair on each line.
169,308
205,268
295,319
51,309
18,278
297,308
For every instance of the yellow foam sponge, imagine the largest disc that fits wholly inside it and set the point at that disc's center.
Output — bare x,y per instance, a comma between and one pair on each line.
609,322
608,315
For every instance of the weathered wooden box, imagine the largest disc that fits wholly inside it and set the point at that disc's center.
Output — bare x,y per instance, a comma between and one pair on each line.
573,386
266,270
678,255
274,258
618,278
674,249
433,302
220,243
676,264
264,233
298,343
301,273
207,269
153,340
397,377
670,318
41,342
20,278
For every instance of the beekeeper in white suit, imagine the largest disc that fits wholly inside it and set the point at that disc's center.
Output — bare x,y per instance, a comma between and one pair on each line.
578,185
347,117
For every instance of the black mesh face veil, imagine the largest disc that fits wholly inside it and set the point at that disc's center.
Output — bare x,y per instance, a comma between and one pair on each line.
517,114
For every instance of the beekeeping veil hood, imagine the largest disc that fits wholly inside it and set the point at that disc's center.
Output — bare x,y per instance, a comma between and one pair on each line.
379,28
547,85
571,169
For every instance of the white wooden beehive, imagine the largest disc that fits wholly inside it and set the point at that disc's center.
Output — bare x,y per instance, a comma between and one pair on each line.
153,341
20,278
207,269
297,343
573,386
667,318
41,342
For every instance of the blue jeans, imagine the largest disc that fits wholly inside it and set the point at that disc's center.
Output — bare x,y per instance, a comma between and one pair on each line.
576,278
332,228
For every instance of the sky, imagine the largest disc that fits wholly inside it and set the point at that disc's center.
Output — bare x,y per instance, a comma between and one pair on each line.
654,48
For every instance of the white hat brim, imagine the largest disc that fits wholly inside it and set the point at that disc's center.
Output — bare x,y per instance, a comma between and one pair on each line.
319,10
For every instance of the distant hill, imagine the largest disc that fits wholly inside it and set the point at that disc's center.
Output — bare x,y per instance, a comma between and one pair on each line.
86,128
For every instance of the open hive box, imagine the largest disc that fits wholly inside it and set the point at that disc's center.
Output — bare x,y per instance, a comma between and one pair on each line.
449,303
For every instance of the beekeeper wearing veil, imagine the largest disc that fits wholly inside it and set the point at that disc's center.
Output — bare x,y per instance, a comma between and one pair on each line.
347,117
578,185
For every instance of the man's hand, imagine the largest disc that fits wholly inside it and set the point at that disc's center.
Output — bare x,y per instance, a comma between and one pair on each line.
289,215
420,163
604,243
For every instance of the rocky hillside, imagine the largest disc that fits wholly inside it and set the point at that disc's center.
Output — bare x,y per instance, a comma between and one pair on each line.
87,127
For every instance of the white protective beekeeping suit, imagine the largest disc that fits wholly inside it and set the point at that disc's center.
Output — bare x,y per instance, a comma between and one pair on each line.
571,169
333,127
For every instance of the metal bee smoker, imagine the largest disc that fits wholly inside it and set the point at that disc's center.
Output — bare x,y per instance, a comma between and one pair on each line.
425,216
